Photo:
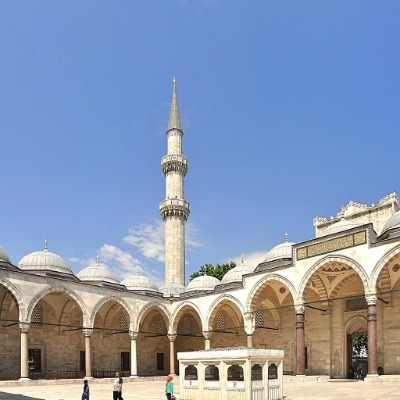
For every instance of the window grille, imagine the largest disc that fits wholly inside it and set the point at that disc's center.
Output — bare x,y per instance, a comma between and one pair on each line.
256,372
37,314
272,372
212,373
259,317
124,322
220,321
188,325
191,373
160,326
235,373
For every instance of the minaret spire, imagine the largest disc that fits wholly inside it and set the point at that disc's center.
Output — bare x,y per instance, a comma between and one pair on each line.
174,209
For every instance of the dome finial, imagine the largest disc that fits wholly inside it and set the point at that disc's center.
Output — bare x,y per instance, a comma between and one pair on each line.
286,237
137,269
45,245
242,259
97,259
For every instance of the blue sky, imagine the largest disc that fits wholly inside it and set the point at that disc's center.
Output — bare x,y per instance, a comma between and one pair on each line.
290,110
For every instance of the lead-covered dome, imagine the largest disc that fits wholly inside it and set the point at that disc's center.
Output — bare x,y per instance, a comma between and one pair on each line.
97,272
44,261
4,256
279,252
172,289
139,282
342,225
236,274
203,282
392,223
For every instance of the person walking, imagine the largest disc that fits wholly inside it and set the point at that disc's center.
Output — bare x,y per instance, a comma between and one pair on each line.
117,388
169,387
86,392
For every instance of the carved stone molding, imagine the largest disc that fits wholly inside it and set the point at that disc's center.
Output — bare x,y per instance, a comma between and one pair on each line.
87,332
371,299
172,337
133,335
24,327
299,308
207,335
174,208
174,163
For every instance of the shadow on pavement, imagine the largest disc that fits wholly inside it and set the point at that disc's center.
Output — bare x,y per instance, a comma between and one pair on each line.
11,396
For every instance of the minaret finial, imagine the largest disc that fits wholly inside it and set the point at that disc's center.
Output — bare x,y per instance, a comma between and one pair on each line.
45,245
242,259
174,115
286,236
97,259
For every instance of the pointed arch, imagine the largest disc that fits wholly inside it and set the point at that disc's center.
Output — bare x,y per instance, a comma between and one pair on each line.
115,299
224,298
333,258
180,310
319,286
260,285
150,306
17,297
56,289
380,265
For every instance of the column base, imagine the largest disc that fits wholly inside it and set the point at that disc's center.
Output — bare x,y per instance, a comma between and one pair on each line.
89,378
24,379
134,376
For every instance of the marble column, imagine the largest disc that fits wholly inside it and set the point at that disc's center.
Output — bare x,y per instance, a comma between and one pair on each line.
249,327
88,358
207,340
133,354
24,328
300,340
172,338
372,335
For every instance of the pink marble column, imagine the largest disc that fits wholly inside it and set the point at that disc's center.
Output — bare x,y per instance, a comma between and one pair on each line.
171,338
372,336
300,340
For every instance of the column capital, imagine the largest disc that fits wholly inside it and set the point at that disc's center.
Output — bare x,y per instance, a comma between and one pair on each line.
207,335
299,308
87,332
24,327
172,337
371,299
133,335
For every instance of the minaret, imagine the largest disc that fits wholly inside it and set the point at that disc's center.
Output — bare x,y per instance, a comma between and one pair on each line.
174,209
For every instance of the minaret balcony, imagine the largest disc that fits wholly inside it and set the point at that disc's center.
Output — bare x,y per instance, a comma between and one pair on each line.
174,163
174,208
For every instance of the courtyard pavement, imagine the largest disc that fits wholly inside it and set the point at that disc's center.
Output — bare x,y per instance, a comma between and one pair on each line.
154,390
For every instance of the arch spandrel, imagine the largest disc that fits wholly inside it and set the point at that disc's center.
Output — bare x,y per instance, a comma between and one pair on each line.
379,266
112,299
150,307
326,260
57,289
262,283
182,309
17,297
214,306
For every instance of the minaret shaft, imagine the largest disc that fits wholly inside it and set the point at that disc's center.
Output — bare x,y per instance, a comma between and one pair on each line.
174,209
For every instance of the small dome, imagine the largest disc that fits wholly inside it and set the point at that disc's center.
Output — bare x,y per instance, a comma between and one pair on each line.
97,273
44,260
172,289
392,223
4,256
235,274
340,226
139,282
281,251
203,282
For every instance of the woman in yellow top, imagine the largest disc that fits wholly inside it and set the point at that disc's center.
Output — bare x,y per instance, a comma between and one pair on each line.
169,387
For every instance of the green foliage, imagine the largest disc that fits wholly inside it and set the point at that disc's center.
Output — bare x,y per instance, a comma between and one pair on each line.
218,271
360,346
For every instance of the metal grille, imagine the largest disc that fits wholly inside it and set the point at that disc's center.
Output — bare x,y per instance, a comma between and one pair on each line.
191,373
188,325
160,326
259,317
272,372
37,314
256,372
212,373
220,321
124,322
235,373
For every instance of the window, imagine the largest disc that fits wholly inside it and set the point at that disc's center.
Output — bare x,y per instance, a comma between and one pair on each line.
124,322
220,321
259,317
212,373
256,372
37,314
235,373
191,373
272,372
160,326
188,325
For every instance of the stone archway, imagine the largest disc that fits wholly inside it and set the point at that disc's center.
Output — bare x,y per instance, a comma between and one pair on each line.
356,356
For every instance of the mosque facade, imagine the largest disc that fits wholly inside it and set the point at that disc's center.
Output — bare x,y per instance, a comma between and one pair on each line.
311,299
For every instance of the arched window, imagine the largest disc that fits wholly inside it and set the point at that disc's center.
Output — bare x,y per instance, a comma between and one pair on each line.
272,372
256,372
235,373
191,373
37,314
212,373
220,321
124,322
259,318
188,325
160,326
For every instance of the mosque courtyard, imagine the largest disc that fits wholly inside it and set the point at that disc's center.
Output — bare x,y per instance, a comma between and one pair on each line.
154,390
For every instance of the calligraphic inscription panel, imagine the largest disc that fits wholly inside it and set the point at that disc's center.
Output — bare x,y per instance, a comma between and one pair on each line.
327,246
